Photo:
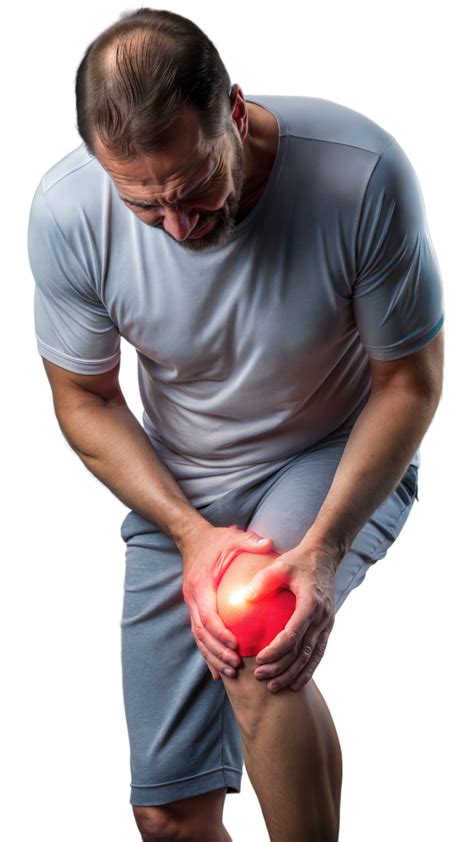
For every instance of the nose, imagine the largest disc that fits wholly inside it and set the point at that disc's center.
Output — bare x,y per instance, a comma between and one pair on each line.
180,223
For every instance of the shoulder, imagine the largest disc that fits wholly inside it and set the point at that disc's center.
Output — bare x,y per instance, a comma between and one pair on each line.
67,217
79,159
317,119
72,184
64,226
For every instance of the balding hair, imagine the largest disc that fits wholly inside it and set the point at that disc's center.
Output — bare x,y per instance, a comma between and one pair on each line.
137,77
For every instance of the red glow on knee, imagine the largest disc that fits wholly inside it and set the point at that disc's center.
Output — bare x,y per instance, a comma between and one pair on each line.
254,624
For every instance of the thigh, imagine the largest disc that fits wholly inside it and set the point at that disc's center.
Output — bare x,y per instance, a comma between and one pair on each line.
289,507
183,735
184,738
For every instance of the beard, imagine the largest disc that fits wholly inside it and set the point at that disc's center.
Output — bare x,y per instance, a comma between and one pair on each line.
224,219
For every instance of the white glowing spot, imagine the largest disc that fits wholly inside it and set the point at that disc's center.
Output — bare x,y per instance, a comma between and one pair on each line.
236,597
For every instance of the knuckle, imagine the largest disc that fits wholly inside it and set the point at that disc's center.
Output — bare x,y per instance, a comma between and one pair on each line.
293,638
306,652
287,567
321,646
327,608
314,602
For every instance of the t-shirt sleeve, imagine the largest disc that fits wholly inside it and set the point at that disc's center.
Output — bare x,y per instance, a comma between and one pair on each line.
73,327
397,293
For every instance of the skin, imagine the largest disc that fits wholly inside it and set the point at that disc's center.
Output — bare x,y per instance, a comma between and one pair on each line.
237,164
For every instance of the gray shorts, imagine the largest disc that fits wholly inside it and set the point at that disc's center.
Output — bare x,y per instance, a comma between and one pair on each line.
184,738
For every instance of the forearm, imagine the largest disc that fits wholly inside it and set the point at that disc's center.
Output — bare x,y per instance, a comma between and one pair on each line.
385,436
114,447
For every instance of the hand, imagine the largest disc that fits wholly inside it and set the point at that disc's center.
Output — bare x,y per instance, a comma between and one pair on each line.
296,651
207,553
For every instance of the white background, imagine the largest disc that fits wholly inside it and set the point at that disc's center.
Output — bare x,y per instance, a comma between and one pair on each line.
398,663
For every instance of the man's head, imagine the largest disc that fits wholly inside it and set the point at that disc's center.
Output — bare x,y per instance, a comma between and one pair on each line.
155,107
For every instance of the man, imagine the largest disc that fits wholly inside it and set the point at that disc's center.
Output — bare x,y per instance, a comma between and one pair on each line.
270,260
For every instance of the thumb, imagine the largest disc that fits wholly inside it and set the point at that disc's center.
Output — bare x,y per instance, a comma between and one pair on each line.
265,581
256,544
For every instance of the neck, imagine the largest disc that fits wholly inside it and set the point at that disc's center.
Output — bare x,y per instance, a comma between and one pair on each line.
260,149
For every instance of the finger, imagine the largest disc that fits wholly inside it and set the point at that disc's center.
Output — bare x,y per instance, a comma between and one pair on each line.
214,651
264,672
256,542
214,665
291,636
302,669
245,542
283,676
207,644
251,536
280,644
304,653
308,609
214,670
306,673
212,631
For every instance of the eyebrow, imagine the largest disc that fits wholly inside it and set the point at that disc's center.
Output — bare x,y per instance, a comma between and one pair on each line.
156,205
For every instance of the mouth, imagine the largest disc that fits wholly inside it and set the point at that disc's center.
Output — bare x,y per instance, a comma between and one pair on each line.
199,232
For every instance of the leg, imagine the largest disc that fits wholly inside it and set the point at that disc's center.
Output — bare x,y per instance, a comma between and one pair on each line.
196,818
293,738
185,746
292,756
291,748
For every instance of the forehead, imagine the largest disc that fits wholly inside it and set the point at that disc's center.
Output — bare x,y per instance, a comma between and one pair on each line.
188,153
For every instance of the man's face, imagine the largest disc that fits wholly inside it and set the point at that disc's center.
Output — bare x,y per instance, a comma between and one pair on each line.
188,186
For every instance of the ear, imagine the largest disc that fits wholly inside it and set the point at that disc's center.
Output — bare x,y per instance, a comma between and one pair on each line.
239,111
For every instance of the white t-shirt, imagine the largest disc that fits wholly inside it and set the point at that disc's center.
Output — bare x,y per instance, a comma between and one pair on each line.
254,350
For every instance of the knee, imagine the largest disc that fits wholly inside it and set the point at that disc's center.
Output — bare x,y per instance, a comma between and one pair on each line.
171,824
254,624
154,823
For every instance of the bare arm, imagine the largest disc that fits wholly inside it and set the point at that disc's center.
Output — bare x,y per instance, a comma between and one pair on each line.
404,397
97,423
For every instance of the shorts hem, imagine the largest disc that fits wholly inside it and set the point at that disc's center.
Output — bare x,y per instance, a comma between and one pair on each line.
148,795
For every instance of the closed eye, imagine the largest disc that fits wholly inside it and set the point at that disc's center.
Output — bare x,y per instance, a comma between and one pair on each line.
145,206
191,197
